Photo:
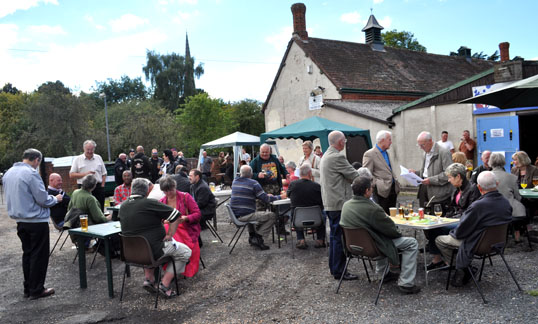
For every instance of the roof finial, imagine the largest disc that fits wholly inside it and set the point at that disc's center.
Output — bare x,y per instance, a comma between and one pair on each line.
371,11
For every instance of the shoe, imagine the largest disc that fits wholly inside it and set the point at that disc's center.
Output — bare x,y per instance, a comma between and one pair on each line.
282,231
462,277
409,290
45,293
149,286
263,247
435,265
253,240
347,276
166,292
391,276
301,245
320,244
26,294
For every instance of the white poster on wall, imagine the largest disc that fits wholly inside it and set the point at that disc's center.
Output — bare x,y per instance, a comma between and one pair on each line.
315,102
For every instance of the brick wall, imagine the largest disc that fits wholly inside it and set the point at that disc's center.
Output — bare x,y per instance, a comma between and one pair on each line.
68,184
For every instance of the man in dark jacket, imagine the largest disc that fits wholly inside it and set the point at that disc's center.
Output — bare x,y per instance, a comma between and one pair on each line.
361,212
182,180
490,209
119,166
141,166
484,167
156,163
58,211
203,196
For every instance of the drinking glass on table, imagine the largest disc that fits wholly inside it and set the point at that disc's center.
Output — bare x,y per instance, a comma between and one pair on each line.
524,183
535,181
438,211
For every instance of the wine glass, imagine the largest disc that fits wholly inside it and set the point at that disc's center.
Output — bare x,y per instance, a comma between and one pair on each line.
438,211
523,183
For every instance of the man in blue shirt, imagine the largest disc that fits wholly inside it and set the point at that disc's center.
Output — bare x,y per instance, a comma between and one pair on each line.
245,191
28,204
377,160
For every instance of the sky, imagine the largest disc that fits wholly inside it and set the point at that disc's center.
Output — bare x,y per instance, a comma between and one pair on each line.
239,42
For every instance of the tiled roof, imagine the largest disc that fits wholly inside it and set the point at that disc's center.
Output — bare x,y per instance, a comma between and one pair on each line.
357,66
378,110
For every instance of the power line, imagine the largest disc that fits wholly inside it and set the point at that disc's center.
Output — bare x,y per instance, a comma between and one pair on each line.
139,56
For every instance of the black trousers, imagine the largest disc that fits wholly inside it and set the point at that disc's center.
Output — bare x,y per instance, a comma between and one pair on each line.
99,194
35,255
388,202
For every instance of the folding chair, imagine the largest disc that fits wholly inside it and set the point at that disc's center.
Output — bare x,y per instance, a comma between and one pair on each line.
304,218
136,252
239,224
491,243
359,244
61,230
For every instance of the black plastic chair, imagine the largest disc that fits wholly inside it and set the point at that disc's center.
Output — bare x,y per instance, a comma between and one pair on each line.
305,218
136,252
239,224
358,243
492,242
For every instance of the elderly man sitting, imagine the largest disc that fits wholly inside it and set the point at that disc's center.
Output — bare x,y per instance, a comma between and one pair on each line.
361,212
143,216
490,209
245,191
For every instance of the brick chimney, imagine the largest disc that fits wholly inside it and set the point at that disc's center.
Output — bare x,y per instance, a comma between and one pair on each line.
299,22
505,54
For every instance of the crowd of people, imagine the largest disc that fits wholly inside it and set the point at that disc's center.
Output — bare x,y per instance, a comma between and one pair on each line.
357,195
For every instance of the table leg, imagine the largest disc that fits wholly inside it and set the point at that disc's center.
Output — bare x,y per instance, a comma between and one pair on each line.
109,269
82,261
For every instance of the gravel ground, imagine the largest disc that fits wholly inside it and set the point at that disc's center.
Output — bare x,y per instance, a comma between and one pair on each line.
253,286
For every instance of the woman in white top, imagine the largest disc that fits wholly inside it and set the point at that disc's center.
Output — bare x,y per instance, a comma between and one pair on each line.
311,158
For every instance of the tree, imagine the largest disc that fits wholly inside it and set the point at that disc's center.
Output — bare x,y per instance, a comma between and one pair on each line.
246,117
402,39
122,90
11,124
167,76
481,56
56,88
201,120
9,88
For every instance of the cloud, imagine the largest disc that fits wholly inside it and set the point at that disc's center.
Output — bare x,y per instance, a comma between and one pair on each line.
280,40
80,65
9,7
127,22
351,18
46,30
90,19
385,22
185,16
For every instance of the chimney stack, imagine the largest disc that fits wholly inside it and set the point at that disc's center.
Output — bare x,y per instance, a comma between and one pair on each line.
505,54
299,22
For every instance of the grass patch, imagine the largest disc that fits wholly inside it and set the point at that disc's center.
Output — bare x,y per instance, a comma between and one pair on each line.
533,293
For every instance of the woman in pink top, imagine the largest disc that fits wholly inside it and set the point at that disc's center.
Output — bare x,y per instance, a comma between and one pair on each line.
190,219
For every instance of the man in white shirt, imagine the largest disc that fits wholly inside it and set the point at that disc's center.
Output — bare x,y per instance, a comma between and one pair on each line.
444,142
90,163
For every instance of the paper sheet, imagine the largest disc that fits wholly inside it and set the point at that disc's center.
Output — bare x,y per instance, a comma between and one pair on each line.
410,177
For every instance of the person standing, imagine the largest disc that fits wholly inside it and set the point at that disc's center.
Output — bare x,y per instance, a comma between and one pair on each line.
467,146
311,158
444,142
156,163
377,160
141,166
90,163
28,204
336,175
58,211
205,165
119,166
435,187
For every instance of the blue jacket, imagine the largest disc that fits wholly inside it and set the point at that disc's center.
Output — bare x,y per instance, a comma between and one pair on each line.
27,199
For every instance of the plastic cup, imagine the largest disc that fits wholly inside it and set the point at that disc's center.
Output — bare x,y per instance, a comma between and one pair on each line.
393,211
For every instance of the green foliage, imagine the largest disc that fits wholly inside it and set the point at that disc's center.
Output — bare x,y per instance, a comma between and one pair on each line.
11,111
201,120
533,293
9,88
53,88
246,117
167,75
402,39
125,89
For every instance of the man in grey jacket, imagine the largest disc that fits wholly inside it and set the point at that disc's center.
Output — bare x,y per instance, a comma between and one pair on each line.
435,186
28,204
336,175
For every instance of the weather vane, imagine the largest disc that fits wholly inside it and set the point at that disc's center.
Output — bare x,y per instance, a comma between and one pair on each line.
371,11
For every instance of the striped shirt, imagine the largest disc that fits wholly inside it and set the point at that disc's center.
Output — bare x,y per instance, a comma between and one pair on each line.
245,191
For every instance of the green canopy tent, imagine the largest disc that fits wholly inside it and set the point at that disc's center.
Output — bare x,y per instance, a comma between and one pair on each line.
316,127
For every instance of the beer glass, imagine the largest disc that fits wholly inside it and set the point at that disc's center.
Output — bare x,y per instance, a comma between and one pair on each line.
84,222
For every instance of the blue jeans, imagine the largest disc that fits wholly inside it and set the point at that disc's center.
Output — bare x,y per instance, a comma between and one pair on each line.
337,258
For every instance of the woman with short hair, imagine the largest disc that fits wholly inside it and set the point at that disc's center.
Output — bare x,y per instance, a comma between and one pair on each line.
525,172
311,158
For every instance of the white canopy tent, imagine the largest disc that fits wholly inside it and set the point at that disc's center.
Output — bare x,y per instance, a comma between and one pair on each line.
236,140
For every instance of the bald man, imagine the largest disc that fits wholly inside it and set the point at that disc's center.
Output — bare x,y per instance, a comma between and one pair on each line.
141,166
58,211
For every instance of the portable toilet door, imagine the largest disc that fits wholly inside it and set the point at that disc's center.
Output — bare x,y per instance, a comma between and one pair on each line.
498,135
